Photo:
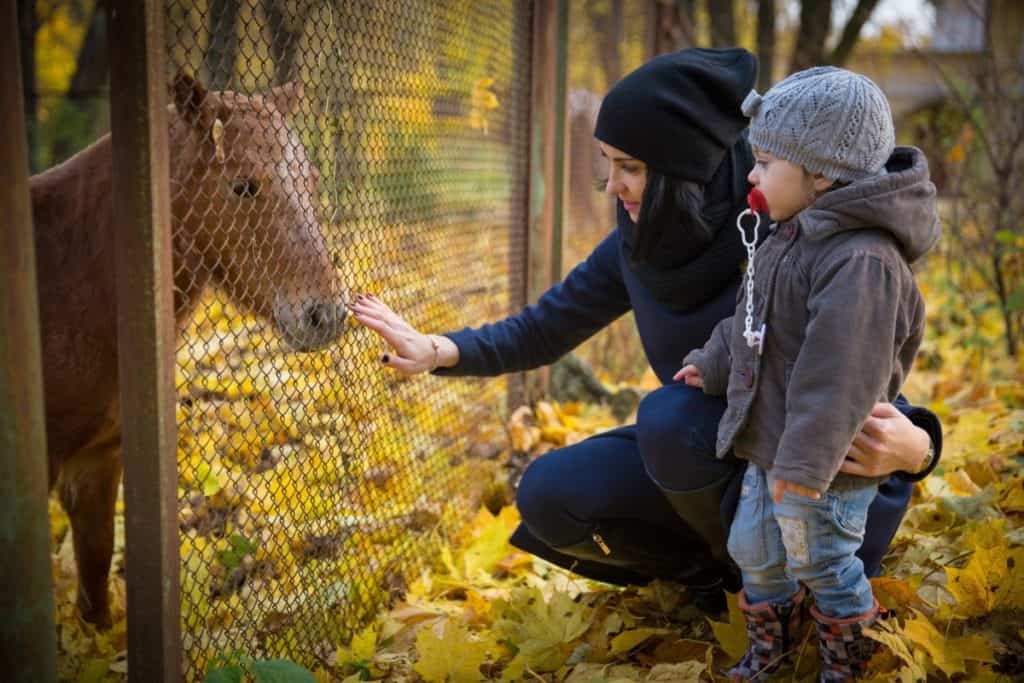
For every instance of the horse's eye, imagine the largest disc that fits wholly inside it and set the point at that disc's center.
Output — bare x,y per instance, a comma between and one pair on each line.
246,188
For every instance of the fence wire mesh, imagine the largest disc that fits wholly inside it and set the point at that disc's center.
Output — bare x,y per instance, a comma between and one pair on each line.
324,149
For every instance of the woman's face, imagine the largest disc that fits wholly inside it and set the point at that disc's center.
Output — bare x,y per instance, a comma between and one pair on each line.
627,178
788,188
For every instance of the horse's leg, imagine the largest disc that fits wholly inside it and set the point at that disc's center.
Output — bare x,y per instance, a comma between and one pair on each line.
88,491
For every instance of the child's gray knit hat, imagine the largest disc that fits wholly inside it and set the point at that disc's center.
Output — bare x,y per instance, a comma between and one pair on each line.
830,121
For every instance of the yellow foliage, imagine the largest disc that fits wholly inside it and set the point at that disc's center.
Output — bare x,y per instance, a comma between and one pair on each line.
947,654
991,578
488,544
627,640
436,654
545,631
732,634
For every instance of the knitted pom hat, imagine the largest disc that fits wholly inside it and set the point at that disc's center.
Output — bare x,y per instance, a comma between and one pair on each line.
830,121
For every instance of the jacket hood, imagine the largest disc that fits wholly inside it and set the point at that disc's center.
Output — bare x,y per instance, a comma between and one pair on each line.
900,201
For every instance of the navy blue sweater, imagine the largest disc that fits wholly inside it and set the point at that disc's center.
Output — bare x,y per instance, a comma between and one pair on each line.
596,292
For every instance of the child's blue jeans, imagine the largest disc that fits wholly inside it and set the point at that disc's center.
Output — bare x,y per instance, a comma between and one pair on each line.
781,545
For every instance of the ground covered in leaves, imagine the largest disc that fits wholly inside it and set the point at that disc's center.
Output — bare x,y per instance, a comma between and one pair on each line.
484,612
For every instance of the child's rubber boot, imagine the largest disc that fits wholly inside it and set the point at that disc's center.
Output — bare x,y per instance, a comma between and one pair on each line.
772,628
845,650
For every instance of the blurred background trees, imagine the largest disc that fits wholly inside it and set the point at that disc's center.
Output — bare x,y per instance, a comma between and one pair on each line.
952,69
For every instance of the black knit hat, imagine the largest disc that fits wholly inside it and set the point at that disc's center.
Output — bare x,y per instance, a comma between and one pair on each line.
679,113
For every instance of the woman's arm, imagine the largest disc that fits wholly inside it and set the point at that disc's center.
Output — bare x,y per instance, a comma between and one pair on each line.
896,439
588,299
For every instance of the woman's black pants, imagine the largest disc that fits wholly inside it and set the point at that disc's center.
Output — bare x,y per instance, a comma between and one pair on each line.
651,500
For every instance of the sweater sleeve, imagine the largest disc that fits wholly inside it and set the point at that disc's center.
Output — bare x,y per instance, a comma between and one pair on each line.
839,372
714,360
929,422
590,297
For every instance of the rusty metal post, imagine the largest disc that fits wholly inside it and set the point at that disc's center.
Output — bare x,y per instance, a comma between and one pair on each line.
27,635
548,140
146,339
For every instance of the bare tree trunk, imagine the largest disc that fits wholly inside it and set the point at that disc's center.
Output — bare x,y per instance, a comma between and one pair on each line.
27,27
612,31
92,68
815,22
851,32
222,53
765,44
284,40
723,23
1010,337
83,110
675,25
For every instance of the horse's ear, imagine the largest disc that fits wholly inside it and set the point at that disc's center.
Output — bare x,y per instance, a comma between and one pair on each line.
189,95
286,97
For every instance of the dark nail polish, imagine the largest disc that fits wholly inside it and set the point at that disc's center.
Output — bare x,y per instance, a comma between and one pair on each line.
359,297
385,358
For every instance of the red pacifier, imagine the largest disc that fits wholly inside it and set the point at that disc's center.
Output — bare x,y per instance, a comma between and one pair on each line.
756,201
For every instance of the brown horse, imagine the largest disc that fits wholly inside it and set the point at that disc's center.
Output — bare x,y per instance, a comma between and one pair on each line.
243,219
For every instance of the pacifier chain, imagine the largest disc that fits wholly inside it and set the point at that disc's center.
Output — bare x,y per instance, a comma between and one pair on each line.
758,205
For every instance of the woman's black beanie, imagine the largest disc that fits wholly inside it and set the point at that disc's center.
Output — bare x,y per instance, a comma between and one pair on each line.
679,113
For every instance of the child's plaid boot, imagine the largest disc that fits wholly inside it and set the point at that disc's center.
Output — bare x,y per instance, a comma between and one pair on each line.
771,627
845,650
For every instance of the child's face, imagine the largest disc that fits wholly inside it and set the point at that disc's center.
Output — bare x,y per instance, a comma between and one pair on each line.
627,178
788,188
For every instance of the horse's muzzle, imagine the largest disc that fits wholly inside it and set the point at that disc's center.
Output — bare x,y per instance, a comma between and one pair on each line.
311,326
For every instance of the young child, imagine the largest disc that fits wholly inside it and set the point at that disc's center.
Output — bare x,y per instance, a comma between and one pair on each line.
827,294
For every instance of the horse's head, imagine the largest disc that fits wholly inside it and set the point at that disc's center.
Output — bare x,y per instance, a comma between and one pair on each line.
244,193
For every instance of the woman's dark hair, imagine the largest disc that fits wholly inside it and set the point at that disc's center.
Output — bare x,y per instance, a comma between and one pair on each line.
669,204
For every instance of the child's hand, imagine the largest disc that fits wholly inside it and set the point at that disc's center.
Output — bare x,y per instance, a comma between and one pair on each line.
691,374
783,486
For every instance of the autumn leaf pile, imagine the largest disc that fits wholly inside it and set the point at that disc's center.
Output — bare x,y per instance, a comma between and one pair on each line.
257,482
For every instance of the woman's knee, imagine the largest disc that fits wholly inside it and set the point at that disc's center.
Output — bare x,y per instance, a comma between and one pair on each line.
535,494
676,431
544,501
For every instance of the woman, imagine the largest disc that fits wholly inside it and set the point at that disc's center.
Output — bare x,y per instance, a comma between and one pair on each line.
650,500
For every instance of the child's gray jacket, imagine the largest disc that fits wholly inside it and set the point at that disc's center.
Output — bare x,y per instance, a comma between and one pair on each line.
844,319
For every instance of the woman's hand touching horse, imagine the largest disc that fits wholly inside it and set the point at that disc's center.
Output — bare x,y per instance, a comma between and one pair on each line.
413,351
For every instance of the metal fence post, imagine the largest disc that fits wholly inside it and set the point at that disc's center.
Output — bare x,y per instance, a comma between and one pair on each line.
146,338
548,178
27,635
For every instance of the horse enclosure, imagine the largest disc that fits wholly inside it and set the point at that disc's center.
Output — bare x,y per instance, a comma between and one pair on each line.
279,485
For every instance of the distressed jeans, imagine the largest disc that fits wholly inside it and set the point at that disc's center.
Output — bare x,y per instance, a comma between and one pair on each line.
781,545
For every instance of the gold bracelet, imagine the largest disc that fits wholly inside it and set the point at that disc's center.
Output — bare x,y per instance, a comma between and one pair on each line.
437,352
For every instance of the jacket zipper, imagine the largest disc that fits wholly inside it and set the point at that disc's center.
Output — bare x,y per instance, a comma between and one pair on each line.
601,544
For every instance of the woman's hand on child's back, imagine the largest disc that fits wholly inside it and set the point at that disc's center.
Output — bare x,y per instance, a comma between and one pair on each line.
782,486
888,442
691,375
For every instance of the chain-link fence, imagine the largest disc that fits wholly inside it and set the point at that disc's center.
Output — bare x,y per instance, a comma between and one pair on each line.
324,148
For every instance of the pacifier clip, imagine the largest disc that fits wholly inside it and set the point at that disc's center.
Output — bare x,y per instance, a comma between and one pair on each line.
757,205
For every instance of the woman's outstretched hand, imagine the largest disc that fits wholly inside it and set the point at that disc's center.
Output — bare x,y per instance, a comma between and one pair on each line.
412,352
888,442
